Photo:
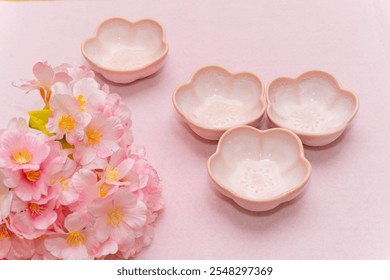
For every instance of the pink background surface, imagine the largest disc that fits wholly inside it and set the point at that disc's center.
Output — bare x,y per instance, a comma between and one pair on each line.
345,211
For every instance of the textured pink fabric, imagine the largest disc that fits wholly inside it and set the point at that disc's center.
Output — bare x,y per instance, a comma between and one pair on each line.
343,214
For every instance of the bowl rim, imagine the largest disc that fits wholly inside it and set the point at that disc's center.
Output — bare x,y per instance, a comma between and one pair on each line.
278,198
261,102
113,70
312,134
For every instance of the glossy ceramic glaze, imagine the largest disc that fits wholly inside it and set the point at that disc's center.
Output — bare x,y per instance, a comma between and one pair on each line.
312,105
124,51
215,100
259,169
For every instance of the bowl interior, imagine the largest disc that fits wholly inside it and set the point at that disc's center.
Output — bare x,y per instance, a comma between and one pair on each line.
313,103
122,45
216,99
257,166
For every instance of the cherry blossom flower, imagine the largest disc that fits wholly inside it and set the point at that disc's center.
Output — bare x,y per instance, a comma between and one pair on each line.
67,120
101,139
89,96
31,184
118,217
20,150
18,124
144,237
114,107
21,248
13,247
73,185
76,243
61,182
45,77
34,220
88,186
118,169
78,73
40,252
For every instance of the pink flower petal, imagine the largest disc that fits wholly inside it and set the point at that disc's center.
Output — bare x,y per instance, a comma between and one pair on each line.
27,191
5,246
113,129
108,248
123,235
135,216
55,246
21,225
101,229
62,77
60,88
68,196
5,199
100,207
84,155
106,148
44,74
21,249
97,164
76,221
76,253
45,220
124,198
84,178
124,167
118,157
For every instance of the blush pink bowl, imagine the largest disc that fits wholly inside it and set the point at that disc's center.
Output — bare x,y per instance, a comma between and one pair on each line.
215,100
124,51
259,169
312,105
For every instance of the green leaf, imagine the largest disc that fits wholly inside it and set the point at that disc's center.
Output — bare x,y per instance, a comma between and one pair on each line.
39,119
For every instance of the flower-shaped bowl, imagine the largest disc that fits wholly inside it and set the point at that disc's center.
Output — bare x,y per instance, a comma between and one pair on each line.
215,100
124,51
312,105
259,169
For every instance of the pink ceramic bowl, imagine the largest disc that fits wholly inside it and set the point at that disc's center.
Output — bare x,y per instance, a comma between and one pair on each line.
259,169
124,51
215,100
312,105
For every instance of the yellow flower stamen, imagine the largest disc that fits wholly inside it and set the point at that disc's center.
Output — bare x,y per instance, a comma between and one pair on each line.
103,190
64,183
82,102
93,136
115,217
22,156
33,175
36,209
75,238
112,173
4,233
66,123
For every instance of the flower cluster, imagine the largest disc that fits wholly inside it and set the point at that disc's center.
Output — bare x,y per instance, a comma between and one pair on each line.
73,184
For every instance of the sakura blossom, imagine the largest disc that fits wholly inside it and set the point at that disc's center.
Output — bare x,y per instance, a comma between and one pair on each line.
118,217
101,139
76,243
66,119
73,184
19,150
